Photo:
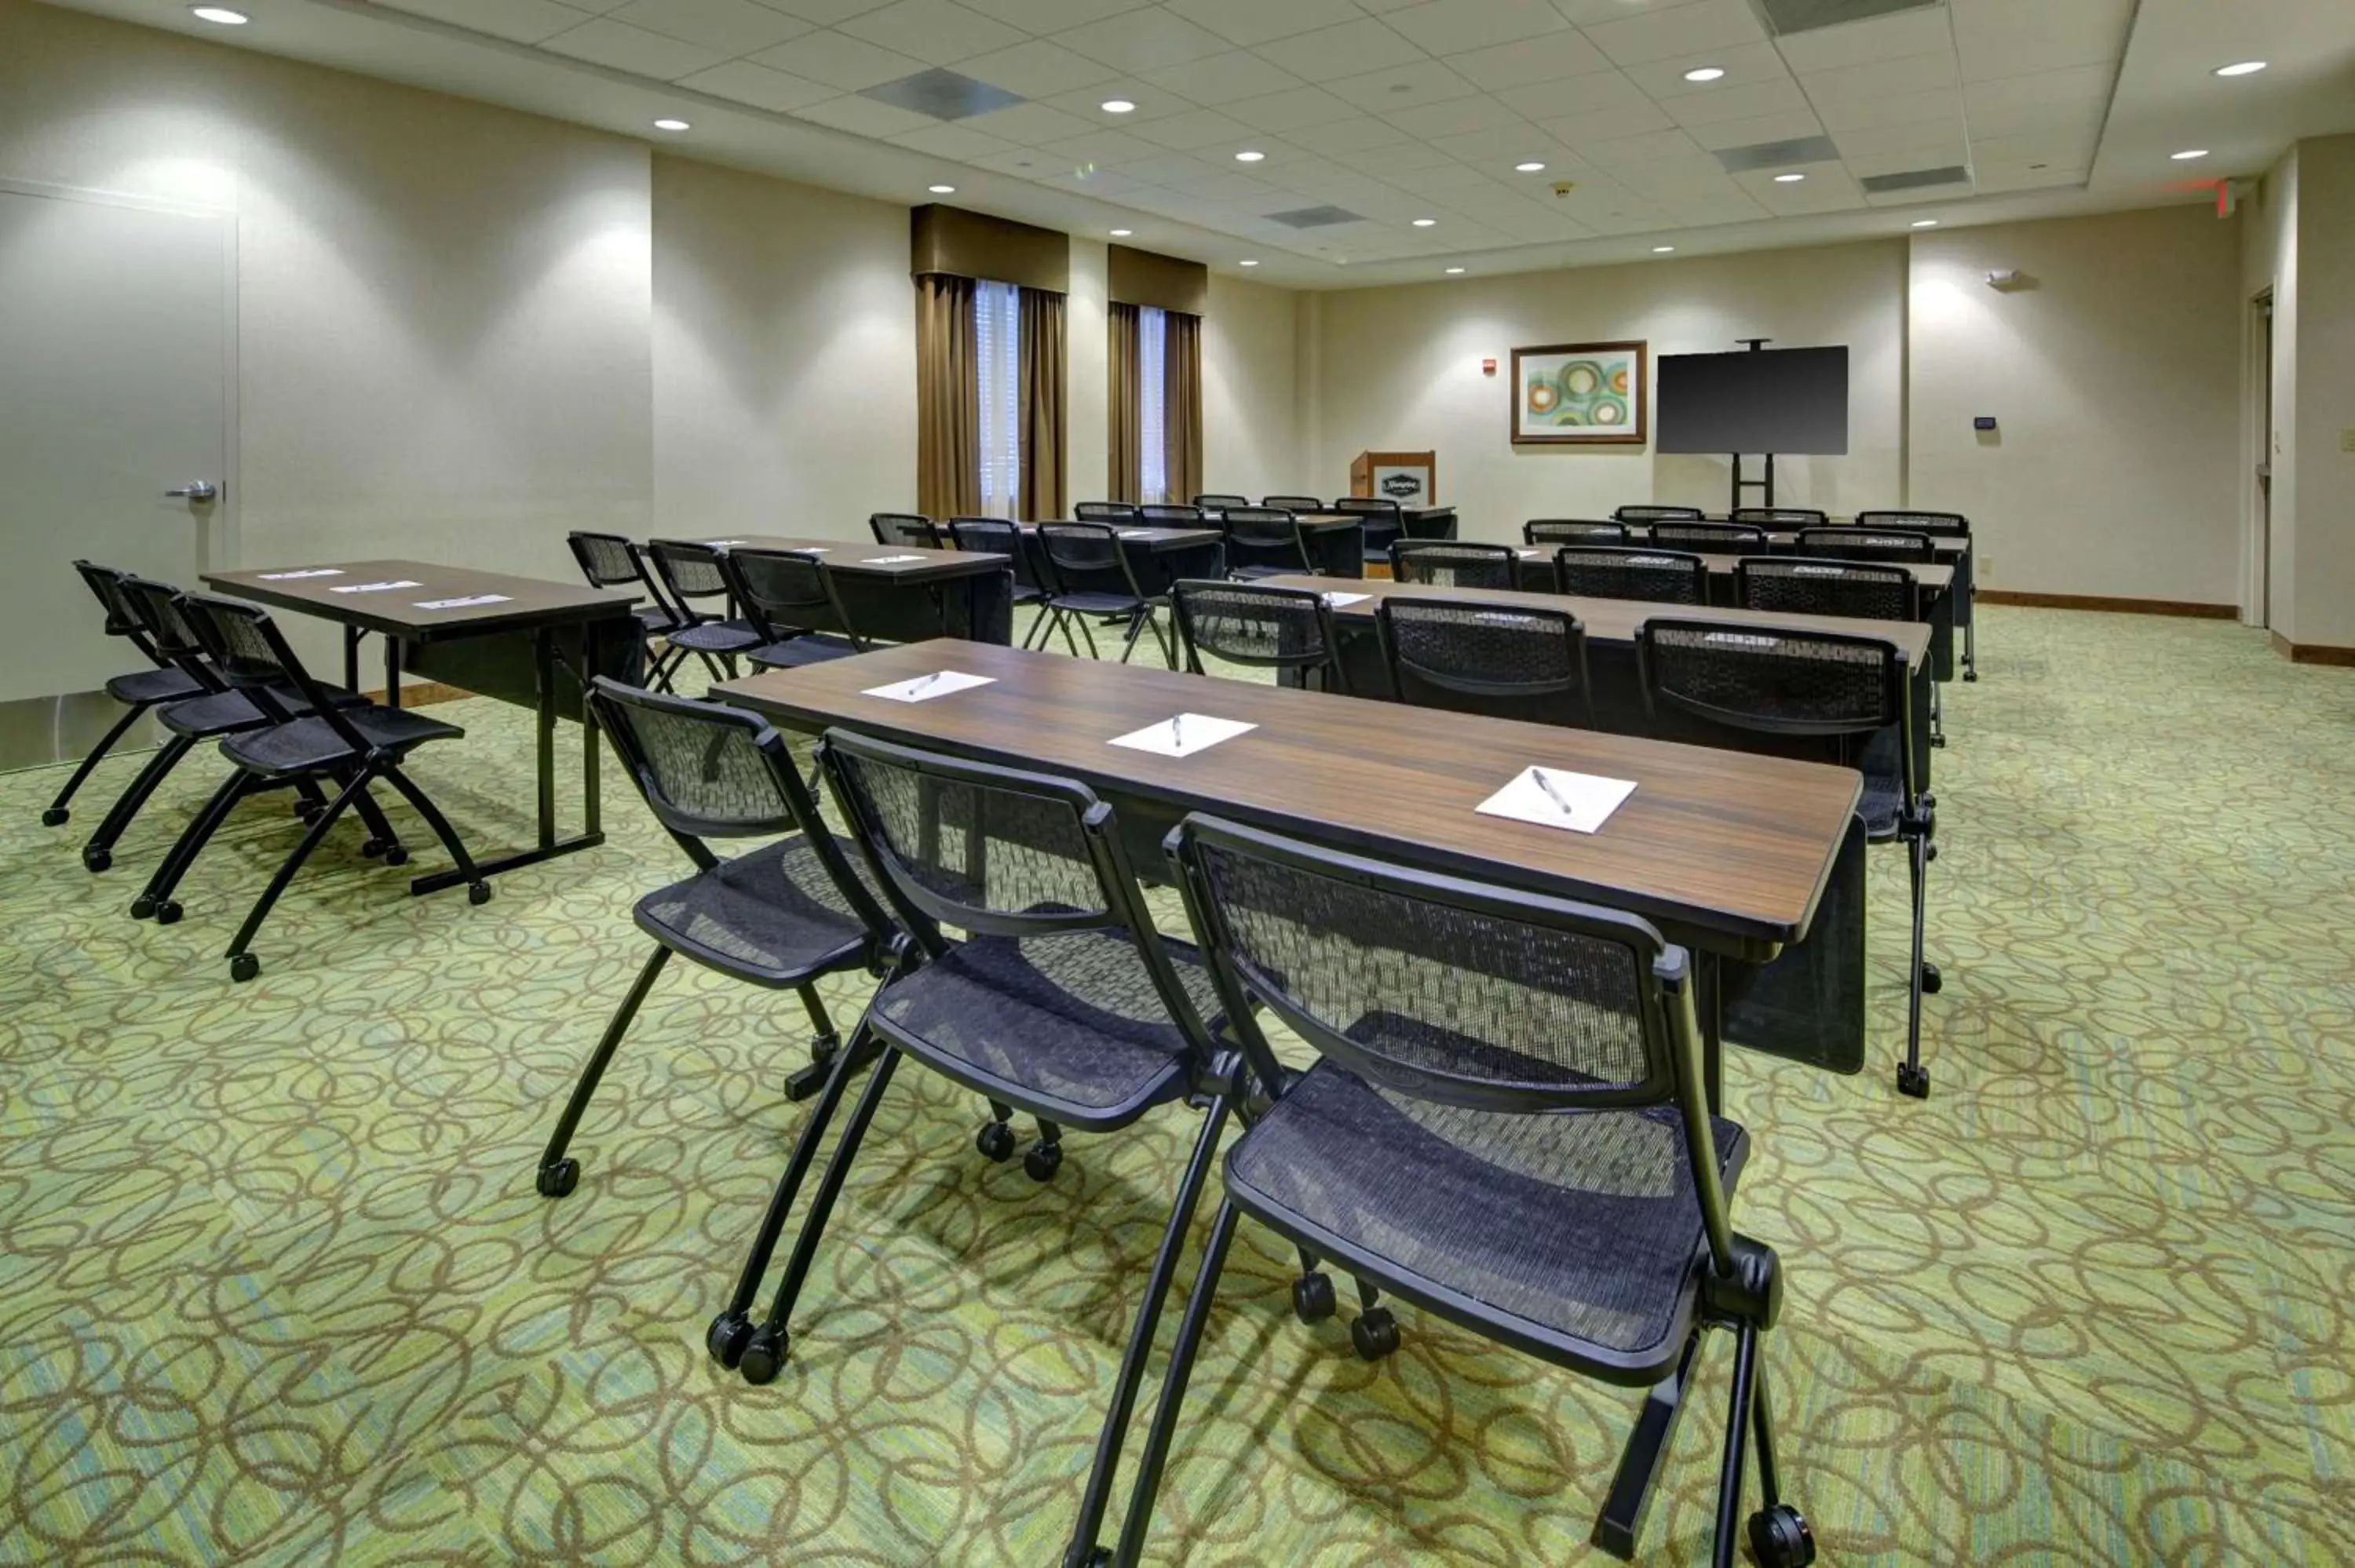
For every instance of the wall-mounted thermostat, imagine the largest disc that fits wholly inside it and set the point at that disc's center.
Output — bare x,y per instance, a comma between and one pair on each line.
1984,422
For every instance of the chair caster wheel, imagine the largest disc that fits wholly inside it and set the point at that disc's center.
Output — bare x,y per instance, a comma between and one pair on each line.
1933,982
996,1143
478,893
168,912
1312,1298
558,1180
142,907
1970,674
1043,1161
1939,741
1375,1333
243,967
1099,1558
1912,1081
726,1337
764,1355
1779,1537
396,855
371,849
55,817
96,860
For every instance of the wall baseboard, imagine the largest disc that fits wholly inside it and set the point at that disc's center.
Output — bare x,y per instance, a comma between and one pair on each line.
2313,652
420,694
2100,602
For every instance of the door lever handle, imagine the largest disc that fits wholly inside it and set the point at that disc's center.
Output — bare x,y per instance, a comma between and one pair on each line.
203,489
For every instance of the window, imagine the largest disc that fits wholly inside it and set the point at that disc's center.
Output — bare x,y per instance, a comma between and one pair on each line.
997,361
1152,437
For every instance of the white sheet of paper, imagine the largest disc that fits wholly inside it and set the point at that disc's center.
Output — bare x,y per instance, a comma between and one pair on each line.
1183,736
924,688
1340,600
468,602
1590,797
1136,533
375,588
888,560
305,572
719,543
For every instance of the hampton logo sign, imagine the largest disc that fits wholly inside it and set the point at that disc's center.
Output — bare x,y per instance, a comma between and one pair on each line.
1399,486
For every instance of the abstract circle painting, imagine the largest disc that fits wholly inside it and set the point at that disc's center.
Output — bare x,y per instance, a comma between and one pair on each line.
1588,392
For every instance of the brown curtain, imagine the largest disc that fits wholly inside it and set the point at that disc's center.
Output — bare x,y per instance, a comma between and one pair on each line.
1126,470
1043,373
948,399
1181,404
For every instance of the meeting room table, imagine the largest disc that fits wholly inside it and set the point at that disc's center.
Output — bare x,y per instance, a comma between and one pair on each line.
1160,555
1336,540
906,592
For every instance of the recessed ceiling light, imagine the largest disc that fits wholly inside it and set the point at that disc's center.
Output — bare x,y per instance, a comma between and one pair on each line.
1925,223
2188,154
672,125
941,190
1788,179
220,13
1528,168
2240,68
1705,73
1662,250
1116,106
1248,157
1453,271
1246,263
1122,233
1424,222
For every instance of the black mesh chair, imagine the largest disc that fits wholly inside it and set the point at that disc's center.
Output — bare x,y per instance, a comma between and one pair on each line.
1305,504
1926,522
1281,628
138,691
1114,512
1265,542
1947,524
1507,1129
779,917
1219,503
1658,514
1618,571
1862,543
1378,518
1779,516
997,536
1448,562
1057,999
1160,514
614,561
691,572
1711,538
1869,589
1088,574
1820,696
1483,659
789,597
904,530
1572,531
351,746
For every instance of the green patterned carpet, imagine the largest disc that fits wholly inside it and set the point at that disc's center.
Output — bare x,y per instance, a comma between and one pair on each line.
275,1286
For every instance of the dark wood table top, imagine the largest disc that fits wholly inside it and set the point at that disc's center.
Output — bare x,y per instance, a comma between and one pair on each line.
1726,849
524,601
865,558
1613,620
1935,576
1155,538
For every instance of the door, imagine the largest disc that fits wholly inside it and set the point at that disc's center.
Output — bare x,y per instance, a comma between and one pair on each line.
2261,333
116,386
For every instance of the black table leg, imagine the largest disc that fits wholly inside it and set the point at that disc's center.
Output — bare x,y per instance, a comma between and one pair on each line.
543,669
593,823
352,635
391,671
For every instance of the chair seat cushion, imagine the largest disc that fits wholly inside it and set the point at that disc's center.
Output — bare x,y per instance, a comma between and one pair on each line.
1583,1226
654,621
796,653
716,637
772,916
307,744
1070,1022
158,686
1253,574
1089,602
216,713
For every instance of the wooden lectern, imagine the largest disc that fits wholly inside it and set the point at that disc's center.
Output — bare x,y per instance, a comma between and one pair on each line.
1411,479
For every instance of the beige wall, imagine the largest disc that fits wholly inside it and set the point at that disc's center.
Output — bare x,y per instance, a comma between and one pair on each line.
1250,408
1087,398
2114,374
1399,369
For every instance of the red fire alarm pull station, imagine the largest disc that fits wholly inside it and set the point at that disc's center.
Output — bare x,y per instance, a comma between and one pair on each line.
1487,367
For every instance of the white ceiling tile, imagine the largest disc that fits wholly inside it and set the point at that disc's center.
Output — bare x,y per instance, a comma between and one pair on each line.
1351,49
1386,162
1993,178
1738,103
1452,27
1586,12
1898,109
1290,110
1165,168
1030,124
1642,149
1035,68
1141,41
1457,117
2071,147
1606,124
1249,22
1929,145
1342,135
1915,73
1501,147
864,116
956,139
1441,180
1554,57
838,61
825,13
1594,94
2079,87
1191,133
1745,65
1828,188
1225,188
621,47
1788,126
745,83
1403,87
1892,36
1050,15
1678,30
522,21
734,27
2027,118
933,31
1152,103
2008,38
1223,79
1098,183
1702,211
1112,149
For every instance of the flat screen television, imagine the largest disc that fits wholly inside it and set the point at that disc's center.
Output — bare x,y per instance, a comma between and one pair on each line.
1772,400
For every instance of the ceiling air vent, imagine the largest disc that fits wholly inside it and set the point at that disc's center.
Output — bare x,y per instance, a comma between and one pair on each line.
942,94
1778,154
1915,179
1315,216
1789,16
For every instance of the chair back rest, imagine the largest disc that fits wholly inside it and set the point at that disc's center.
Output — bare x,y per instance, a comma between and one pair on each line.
252,655
1779,516
1104,512
785,591
157,605
1171,516
1220,501
1367,506
1870,590
1436,987
1925,521
1264,528
688,570
607,560
1308,504
1570,530
1471,657
1714,538
1862,544
1249,623
1771,680
105,583
1446,562
1086,557
1657,513
995,537
910,529
1620,571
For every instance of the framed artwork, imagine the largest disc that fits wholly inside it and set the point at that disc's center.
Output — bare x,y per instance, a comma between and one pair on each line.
1579,393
